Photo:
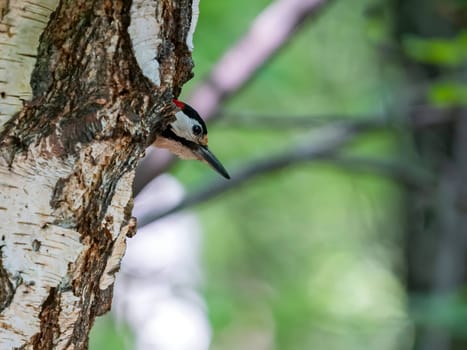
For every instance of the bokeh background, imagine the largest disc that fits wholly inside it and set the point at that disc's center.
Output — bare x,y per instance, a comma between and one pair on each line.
349,227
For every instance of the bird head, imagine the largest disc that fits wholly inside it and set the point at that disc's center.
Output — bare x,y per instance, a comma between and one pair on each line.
187,137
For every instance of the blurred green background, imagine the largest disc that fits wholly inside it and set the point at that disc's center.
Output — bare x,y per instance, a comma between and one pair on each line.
315,256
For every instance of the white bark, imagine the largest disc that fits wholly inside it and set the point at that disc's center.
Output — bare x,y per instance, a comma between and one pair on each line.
194,21
146,21
31,246
38,254
21,24
145,33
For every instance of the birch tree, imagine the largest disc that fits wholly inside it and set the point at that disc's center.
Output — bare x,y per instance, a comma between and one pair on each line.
85,85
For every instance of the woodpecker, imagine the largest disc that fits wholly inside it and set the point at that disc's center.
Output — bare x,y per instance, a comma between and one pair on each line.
187,137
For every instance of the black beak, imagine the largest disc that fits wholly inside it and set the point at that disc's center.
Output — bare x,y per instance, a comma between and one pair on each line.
206,155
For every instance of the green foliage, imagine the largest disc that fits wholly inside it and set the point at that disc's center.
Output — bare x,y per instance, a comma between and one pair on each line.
438,51
443,52
448,93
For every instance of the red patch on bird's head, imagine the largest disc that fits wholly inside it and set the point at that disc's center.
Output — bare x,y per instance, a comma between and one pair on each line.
179,104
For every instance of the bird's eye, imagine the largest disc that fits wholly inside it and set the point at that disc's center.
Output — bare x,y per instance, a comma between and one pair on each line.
197,130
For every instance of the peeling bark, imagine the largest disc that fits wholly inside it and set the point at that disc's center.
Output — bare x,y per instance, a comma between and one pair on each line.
68,153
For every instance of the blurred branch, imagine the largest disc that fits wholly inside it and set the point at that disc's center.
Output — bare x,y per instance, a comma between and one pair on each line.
320,150
421,117
332,139
407,175
269,32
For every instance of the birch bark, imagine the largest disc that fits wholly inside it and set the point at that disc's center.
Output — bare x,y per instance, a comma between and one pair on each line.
81,96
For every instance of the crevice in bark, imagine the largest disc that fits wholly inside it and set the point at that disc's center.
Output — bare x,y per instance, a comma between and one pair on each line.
6,287
176,32
94,265
50,329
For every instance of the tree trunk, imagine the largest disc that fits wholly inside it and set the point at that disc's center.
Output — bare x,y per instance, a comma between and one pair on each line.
101,83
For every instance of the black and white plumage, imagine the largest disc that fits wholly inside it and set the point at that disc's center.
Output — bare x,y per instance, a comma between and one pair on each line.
187,137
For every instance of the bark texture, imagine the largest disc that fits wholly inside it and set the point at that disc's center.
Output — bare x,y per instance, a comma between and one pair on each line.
67,156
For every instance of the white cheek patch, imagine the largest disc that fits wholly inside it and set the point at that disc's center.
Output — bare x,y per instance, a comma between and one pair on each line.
183,127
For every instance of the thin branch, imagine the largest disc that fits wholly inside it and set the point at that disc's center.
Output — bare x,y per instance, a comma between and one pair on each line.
421,117
403,174
407,175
